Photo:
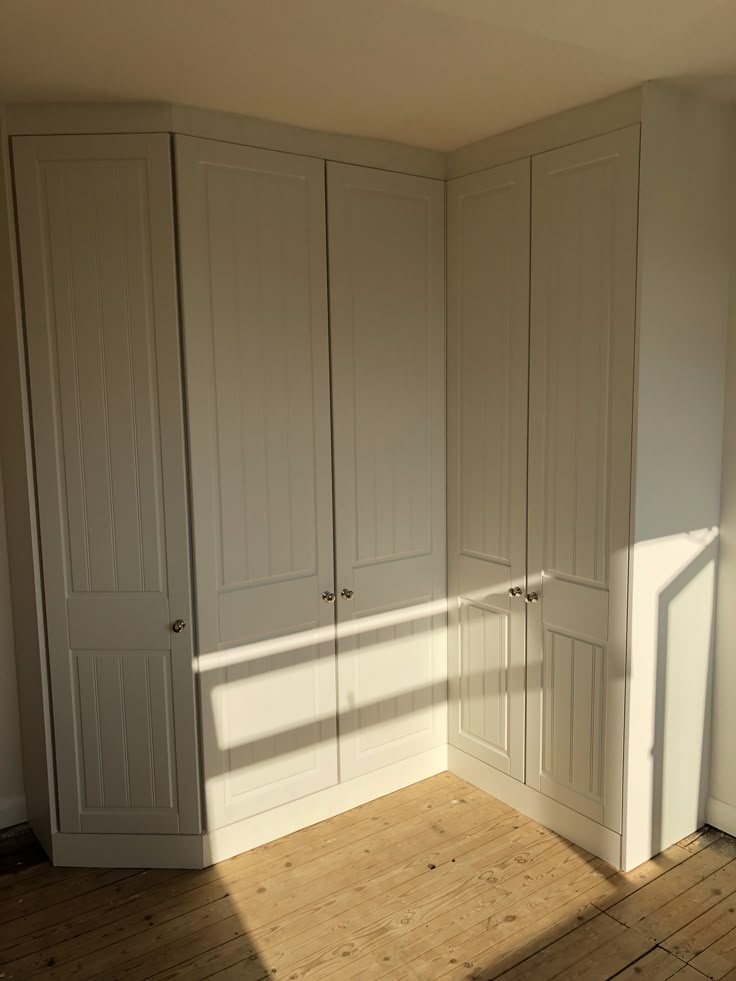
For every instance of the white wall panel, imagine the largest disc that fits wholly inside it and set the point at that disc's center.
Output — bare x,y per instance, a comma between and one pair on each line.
12,795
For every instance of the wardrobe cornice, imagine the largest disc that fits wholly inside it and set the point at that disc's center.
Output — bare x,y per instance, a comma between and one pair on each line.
227,127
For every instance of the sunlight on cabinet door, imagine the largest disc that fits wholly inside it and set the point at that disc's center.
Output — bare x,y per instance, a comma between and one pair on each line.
254,302
581,403
487,393
386,247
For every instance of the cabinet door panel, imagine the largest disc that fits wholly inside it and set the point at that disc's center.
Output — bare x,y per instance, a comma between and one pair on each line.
252,241
580,424
97,249
386,247
488,349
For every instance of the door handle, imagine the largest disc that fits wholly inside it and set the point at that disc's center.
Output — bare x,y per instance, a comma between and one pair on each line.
531,598
346,593
515,591
328,597
177,626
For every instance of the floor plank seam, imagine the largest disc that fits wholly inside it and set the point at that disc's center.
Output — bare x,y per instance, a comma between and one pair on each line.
86,892
540,950
627,967
25,938
680,959
104,947
684,963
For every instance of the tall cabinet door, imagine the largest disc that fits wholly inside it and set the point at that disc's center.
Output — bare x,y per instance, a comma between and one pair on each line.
580,424
386,246
487,353
254,300
98,261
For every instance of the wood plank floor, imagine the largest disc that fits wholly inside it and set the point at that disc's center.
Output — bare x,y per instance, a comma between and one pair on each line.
436,881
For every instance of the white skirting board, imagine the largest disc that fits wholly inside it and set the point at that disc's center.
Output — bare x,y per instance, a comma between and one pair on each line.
578,829
236,838
199,851
721,815
12,811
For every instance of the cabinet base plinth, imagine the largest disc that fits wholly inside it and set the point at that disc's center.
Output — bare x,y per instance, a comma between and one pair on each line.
199,851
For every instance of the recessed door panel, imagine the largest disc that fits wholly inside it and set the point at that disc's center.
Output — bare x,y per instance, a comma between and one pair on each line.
573,685
484,677
386,244
127,764
252,241
97,250
580,425
488,343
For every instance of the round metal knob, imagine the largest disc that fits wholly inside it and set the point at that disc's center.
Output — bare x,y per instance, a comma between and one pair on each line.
346,593
177,626
531,598
328,597
515,591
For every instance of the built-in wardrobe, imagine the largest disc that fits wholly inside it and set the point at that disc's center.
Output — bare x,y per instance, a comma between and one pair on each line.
249,400
542,287
241,498
588,299
317,463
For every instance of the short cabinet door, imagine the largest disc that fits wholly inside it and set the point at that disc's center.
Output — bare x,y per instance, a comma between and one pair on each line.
386,248
96,234
583,283
254,301
487,387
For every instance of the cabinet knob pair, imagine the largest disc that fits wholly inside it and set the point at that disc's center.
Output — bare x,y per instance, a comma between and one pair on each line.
329,597
529,598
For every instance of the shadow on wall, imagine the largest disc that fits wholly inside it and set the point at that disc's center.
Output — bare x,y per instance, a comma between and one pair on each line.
685,645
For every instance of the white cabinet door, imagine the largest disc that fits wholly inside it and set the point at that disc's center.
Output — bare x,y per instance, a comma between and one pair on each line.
254,301
487,353
386,246
580,421
97,248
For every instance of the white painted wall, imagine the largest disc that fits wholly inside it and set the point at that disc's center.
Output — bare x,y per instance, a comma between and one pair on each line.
685,230
20,531
721,809
12,798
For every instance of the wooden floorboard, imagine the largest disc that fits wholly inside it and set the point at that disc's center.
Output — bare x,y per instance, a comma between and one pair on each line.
438,880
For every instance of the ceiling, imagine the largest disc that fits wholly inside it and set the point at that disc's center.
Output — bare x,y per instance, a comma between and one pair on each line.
434,73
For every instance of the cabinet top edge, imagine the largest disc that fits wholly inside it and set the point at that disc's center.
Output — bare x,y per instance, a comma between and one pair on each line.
85,118
571,126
